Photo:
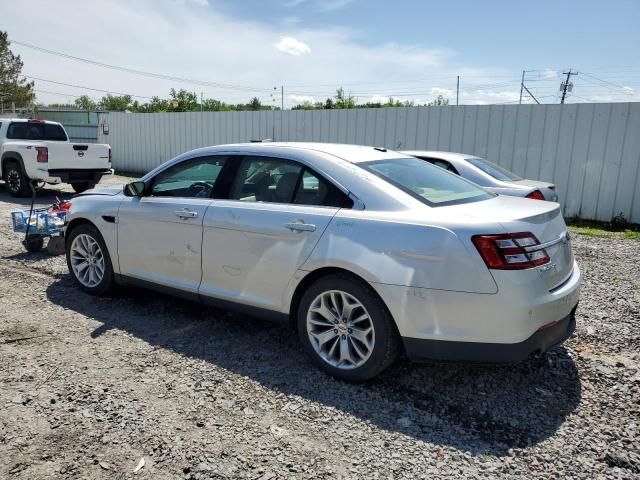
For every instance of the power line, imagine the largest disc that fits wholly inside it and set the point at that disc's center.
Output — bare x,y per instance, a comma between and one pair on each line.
85,88
141,72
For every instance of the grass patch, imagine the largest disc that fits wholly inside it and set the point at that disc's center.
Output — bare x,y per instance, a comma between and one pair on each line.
631,234
604,229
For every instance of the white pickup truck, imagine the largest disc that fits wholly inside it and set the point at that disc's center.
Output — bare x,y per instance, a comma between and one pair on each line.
35,151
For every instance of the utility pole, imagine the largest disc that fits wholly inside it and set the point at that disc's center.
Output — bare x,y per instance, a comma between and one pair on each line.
566,86
201,100
282,97
457,90
522,86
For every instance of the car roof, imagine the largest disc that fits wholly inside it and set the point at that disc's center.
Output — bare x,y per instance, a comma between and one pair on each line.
451,156
348,152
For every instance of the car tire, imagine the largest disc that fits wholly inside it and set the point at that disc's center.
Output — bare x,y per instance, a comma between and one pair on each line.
17,182
88,260
355,307
80,187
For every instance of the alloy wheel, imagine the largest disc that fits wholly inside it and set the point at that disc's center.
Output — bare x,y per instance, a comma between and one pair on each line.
87,260
14,180
340,329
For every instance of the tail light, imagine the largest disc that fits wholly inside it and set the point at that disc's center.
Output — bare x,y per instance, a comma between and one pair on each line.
511,251
536,195
42,155
109,155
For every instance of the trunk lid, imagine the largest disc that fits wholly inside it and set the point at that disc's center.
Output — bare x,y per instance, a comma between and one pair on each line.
532,183
515,214
544,220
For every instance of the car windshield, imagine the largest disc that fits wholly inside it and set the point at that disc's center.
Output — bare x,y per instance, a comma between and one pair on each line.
496,171
430,184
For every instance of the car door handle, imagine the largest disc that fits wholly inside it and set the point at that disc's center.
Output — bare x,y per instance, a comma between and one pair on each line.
186,213
300,227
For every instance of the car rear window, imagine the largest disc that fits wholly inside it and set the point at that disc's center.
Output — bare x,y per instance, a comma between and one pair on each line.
36,131
496,171
430,184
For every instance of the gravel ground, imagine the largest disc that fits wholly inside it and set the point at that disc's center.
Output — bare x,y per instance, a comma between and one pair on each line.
142,385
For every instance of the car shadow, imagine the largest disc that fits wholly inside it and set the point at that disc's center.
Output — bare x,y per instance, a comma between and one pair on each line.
475,408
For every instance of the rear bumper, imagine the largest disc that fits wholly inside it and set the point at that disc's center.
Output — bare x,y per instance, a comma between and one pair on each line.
441,350
73,175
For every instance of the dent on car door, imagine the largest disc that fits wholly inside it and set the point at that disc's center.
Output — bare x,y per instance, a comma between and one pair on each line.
256,238
160,233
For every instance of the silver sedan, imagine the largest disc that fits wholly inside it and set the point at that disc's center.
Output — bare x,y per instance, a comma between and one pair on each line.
488,175
367,253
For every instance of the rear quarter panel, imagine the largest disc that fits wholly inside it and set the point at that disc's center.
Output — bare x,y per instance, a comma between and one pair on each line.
385,250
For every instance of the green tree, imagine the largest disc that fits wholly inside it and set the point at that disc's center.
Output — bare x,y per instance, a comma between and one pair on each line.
183,101
255,104
116,103
440,101
344,100
12,88
85,103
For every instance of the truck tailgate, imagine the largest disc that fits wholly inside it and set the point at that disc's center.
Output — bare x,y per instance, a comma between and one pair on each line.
77,156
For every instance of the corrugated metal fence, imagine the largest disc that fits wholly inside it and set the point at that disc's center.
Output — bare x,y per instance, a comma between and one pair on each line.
82,133
590,151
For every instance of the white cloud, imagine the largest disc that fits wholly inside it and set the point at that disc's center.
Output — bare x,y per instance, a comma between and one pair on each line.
445,92
293,3
331,5
208,44
549,74
628,89
292,46
298,99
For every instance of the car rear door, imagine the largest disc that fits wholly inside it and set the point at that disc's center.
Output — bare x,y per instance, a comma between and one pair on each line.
256,239
160,233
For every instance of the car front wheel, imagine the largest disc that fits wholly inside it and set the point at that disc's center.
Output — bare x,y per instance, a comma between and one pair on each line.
346,328
88,260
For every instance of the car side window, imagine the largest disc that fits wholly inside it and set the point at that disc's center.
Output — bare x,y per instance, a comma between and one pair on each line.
265,179
193,178
314,190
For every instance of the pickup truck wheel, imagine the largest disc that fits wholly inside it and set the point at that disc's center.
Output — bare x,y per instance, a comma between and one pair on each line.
82,186
17,182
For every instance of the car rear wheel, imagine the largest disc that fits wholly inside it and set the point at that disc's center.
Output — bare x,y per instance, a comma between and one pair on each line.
346,328
80,187
88,260
17,182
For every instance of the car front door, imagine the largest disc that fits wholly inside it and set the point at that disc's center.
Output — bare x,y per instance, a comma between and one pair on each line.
256,239
160,233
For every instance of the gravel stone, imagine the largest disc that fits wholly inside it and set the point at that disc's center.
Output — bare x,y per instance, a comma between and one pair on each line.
89,386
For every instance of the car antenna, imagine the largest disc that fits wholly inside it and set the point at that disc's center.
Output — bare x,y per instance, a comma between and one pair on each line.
380,149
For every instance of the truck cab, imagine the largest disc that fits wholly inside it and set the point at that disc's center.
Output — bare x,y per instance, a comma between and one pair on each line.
40,151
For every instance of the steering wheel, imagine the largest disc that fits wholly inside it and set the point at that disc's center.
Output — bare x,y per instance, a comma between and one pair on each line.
200,189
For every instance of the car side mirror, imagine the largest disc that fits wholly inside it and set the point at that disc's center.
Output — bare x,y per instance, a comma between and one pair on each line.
134,189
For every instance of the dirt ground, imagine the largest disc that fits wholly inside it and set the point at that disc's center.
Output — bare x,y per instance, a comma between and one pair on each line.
142,385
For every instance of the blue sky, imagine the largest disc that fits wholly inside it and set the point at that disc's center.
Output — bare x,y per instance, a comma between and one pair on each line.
410,49
512,34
